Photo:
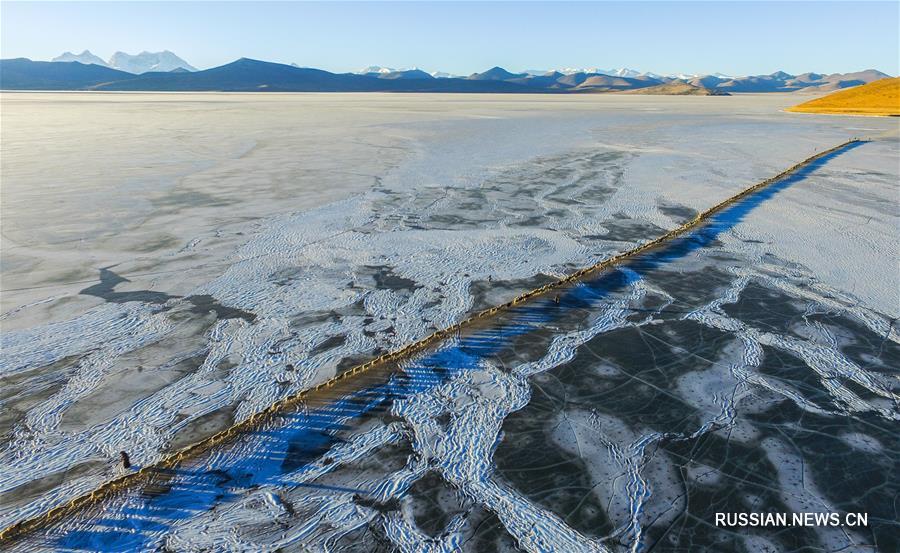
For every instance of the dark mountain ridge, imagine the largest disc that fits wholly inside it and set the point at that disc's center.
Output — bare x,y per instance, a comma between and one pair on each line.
24,74
248,75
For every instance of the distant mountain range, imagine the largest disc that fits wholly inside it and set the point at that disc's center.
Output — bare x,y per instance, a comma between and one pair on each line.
381,71
138,64
164,71
621,72
388,73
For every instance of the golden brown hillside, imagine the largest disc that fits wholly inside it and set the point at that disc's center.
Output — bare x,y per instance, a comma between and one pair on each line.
876,98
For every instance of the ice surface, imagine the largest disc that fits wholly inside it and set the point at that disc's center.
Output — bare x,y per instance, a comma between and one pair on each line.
238,249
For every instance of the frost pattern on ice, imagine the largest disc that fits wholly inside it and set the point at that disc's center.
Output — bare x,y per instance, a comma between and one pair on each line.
325,262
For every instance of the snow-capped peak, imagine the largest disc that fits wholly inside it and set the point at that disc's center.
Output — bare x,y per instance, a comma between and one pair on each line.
148,61
85,57
382,70
621,72
141,63
376,69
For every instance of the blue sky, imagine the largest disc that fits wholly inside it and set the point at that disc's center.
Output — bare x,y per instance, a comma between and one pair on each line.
462,37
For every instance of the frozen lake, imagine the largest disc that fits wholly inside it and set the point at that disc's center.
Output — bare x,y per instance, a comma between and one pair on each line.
173,263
